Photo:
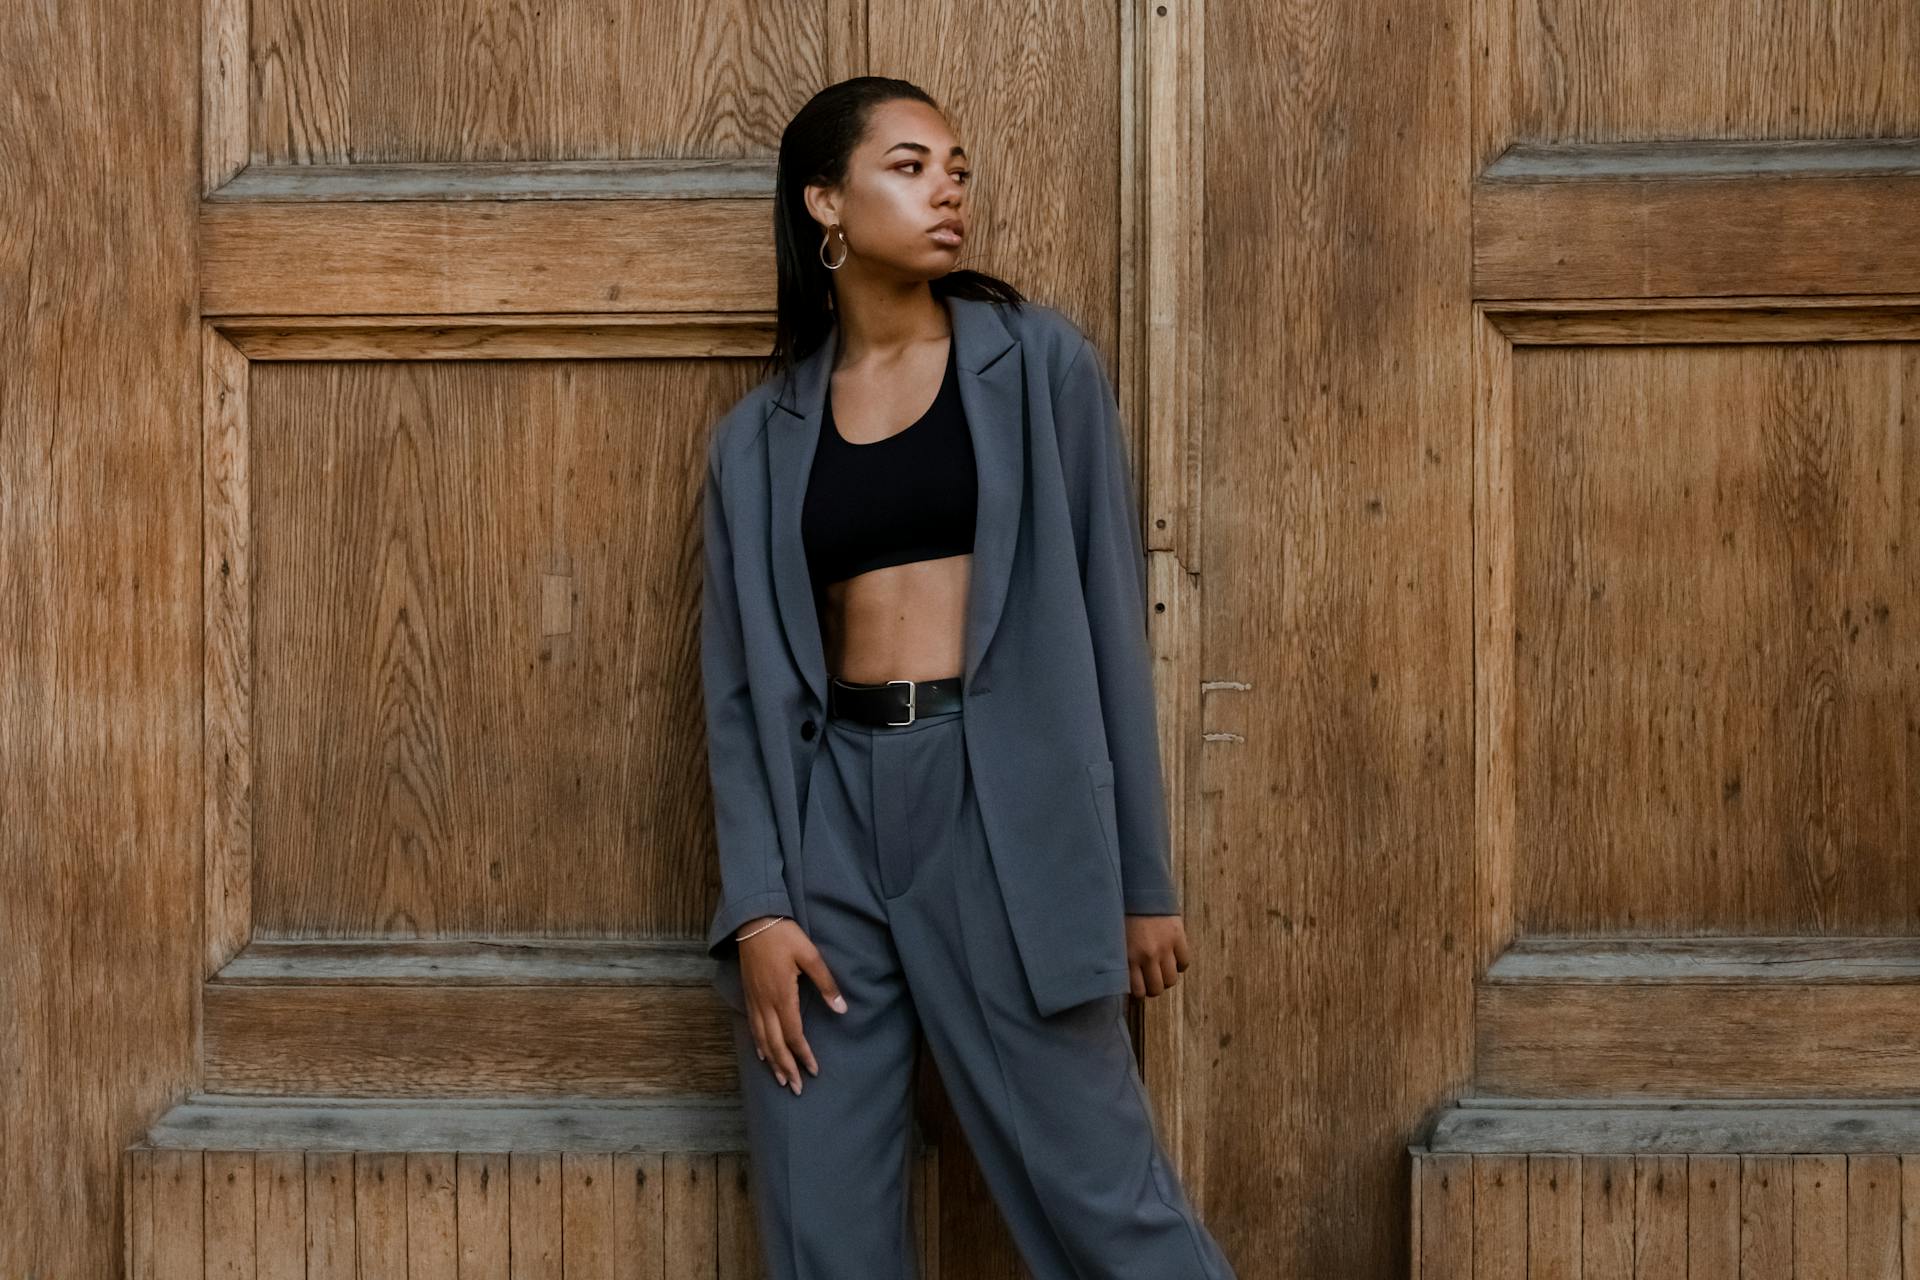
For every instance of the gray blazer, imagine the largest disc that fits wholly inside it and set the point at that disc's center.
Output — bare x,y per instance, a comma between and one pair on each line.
1059,698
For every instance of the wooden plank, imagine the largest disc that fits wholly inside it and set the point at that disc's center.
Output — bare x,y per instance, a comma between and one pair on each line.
1607,1203
206,1121
485,1184
469,962
640,1202
1910,1217
586,1218
736,1230
1586,322
1415,1179
1819,1217
1735,961
1766,1217
1664,221
1719,1040
685,335
1446,1217
1659,1217
226,584
332,1247
641,178
433,1216
280,1214
536,1214
1553,1216
231,1250
1500,1186
380,1212
413,1041
179,1215
692,1200
1873,1217
353,258
136,1167
1713,1217
1640,1125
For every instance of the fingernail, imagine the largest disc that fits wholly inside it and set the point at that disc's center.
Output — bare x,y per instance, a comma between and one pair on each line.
839,1002
781,1077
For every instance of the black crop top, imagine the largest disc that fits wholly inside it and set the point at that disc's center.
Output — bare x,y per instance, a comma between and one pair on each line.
910,496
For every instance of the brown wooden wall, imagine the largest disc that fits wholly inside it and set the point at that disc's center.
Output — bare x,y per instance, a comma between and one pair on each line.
1524,407
100,805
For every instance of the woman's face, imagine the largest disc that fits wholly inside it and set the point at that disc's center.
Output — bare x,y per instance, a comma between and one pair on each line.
907,176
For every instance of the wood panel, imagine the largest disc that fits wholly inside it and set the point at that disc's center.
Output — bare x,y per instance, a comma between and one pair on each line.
1604,70
359,81
1714,627
470,688
353,1041
1654,220
99,620
1705,1216
1337,787
435,1215
362,257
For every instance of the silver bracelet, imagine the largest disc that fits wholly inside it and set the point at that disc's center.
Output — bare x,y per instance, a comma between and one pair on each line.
762,929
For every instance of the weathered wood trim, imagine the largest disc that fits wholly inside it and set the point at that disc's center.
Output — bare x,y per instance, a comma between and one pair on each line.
666,178
484,257
1161,384
628,336
1698,220
1703,1039
226,63
1619,322
468,962
1744,961
465,1040
1641,1126
226,651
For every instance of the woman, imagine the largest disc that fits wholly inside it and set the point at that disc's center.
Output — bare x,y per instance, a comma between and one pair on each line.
929,507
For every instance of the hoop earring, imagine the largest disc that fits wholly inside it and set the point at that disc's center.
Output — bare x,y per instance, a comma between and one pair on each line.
845,248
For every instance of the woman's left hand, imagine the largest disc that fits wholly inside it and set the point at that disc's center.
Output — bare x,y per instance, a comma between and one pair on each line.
1156,952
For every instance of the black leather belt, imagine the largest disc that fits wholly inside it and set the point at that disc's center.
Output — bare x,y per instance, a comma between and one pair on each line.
893,702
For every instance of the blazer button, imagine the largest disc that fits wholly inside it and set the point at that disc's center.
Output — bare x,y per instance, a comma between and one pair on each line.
806,729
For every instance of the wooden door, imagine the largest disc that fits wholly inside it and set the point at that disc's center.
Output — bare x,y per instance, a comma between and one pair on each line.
1523,408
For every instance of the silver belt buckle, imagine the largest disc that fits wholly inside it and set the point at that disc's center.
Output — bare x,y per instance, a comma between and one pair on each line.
911,691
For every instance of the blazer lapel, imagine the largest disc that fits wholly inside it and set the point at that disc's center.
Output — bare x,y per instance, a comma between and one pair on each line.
991,393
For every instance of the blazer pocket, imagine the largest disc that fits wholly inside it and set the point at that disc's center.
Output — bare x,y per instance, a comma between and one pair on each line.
1100,784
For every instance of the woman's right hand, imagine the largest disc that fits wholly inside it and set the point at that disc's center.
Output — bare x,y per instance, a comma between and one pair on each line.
771,962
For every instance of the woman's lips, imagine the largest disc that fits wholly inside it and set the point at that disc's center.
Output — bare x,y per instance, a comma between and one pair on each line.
946,235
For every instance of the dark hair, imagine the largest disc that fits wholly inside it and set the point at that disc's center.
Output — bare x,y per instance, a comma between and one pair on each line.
814,148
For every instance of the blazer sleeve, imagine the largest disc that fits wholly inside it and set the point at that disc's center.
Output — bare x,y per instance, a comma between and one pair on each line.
750,861
1114,579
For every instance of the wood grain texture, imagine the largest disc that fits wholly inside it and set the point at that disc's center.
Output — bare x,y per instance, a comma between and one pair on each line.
437,1215
524,256
417,1041
100,892
341,81
1716,634
1715,69
1667,1217
1654,234
497,770
1720,1040
1338,482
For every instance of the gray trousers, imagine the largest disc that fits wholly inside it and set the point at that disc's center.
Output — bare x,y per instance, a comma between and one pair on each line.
903,904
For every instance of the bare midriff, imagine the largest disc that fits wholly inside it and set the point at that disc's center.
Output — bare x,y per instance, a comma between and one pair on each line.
898,622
